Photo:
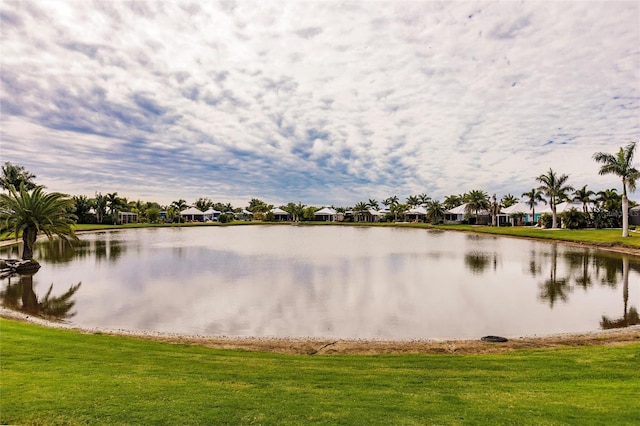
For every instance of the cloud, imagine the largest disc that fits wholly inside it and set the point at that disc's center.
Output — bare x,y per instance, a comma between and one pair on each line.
323,103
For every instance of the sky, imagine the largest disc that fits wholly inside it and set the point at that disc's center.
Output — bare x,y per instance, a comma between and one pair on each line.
319,102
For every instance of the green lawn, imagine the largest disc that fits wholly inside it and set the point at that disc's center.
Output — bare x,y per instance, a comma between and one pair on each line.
52,376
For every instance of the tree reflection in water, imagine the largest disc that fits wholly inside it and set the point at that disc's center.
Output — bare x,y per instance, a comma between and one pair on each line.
477,262
630,316
555,288
21,296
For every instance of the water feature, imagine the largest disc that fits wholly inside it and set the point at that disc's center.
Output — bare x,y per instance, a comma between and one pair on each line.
327,281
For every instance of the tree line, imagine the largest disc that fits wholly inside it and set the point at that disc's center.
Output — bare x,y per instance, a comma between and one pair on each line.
26,209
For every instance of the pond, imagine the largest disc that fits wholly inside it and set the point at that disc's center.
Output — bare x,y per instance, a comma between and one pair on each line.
327,281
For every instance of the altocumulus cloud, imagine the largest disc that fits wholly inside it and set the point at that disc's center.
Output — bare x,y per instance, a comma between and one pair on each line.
319,102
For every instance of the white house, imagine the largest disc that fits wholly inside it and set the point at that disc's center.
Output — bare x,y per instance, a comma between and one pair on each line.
192,214
327,214
457,214
416,214
280,214
211,214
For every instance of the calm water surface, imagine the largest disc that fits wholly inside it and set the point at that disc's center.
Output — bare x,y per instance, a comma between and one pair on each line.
344,282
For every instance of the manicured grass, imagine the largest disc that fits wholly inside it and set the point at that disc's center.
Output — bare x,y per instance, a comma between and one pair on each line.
594,236
52,376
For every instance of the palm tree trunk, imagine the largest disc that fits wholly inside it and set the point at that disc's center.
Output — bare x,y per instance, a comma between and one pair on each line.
28,241
625,216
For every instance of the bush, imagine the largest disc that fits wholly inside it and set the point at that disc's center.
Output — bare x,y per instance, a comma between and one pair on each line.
606,219
225,218
574,219
545,220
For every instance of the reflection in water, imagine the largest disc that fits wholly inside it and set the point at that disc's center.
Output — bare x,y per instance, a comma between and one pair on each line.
629,317
20,296
554,288
332,281
477,262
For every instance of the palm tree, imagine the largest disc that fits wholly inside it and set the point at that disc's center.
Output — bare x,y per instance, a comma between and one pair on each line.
413,201
373,204
534,197
82,207
114,203
100,206
361,210
555,188
13,175
452,201
477,200
508,200
621,165
583,195
609,199
435,211
31,213
424,199
392,202
203,204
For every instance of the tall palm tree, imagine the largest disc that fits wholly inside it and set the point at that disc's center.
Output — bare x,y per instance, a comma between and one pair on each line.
533,198
452,201
413,201
373,204
100,206
621,165
554,187
361,210
392,202
583,195
424,199
33,212
114,203
508,200
476,200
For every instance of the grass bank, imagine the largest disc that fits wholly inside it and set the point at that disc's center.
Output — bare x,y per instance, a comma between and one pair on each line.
53,376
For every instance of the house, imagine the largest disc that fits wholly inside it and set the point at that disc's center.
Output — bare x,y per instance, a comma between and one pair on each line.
326,214
211,214
192,214
525,209
127,217
244,215
458,214
416,214
279,214
541,209
376,215
634,216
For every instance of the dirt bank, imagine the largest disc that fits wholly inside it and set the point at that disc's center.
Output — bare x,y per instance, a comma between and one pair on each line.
366,347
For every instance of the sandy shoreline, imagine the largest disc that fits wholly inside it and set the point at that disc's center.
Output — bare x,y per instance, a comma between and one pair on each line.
320,346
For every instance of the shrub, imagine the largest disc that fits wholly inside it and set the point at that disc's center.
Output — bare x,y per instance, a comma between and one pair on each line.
574,219
545,220
225,218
